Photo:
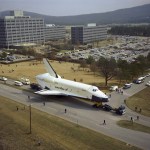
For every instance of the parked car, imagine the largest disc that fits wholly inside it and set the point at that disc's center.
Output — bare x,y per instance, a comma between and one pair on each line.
18,83
148,83
141,78
3,78
127,86
148,75
113,88
136,81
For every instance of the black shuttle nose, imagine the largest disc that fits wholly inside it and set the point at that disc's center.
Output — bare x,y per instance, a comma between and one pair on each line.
99,99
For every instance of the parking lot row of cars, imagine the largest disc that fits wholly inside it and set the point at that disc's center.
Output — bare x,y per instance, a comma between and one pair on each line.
14,57
127,48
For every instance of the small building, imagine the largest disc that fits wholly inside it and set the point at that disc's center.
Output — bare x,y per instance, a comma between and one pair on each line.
87,34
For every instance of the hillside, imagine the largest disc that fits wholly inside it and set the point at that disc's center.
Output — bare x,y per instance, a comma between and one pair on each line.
139,14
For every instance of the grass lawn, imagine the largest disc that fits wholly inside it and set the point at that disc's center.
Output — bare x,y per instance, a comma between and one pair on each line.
140,100
53,133
32,68
134,126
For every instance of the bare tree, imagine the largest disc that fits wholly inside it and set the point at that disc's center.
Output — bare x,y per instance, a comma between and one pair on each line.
107,68
93,67
83,64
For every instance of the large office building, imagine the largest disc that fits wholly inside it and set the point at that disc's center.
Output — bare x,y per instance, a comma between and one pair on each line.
53,32
18,29
88,34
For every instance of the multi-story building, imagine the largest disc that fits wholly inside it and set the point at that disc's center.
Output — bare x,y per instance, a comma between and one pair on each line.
87,34
19,29
53,32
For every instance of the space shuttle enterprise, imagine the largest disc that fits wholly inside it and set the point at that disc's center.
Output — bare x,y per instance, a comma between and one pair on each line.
53,84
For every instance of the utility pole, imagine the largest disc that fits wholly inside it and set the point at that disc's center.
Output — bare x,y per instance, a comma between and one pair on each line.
30,117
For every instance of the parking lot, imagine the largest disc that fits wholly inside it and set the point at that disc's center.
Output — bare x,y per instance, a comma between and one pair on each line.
14,58
127,48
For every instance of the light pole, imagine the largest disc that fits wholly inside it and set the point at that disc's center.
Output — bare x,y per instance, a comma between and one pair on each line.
30,117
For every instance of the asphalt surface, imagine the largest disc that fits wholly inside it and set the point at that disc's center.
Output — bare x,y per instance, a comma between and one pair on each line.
84,114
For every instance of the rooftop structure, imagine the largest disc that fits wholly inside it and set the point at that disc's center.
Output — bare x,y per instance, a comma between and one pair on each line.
16,13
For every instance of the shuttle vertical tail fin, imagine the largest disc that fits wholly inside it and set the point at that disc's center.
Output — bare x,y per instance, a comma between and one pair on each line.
49,68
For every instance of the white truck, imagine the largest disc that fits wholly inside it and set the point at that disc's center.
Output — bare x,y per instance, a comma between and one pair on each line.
25,81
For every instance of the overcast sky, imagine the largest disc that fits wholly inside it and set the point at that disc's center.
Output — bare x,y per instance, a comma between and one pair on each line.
69,7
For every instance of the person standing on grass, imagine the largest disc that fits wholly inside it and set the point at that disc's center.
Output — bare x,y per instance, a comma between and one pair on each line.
140,110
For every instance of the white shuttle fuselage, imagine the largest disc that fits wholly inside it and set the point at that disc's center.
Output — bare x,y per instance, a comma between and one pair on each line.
53,84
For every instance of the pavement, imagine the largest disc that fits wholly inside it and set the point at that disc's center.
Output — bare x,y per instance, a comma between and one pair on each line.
82,113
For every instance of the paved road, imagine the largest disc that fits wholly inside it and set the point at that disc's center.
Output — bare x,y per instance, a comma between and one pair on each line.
83,114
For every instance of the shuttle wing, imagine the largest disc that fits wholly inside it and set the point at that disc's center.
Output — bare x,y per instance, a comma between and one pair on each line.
49,92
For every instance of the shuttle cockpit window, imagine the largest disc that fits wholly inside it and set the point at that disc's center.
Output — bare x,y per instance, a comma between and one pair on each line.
94,90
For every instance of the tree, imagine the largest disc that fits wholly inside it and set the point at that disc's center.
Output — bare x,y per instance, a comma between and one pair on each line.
90,60
93,67
123,70
143,30
83,64
134,70
107,68
4,55
142,65
120,75
122,64
148,57
51,55
148,60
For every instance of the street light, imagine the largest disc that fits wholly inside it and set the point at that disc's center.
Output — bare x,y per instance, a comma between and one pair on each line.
30,117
